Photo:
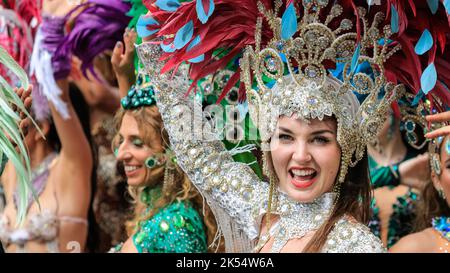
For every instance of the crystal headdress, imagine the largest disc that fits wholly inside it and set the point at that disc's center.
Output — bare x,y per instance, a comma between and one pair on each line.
413,112
303,49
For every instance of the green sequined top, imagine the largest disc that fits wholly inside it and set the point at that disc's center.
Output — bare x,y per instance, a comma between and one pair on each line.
176,228
402,218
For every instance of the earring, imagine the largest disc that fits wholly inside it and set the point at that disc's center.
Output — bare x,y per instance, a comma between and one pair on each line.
155,160
435,163
169,172
267,171
442,194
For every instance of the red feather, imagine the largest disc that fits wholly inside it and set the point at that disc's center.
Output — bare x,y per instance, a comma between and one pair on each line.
232,27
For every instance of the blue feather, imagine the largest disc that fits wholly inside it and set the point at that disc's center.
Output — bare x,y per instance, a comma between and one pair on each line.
283,57
197,59
168,48
382,41
141,26
168,5
394,19
288,22
433,5
425,43
428,78
355,58
418,98
201,14
184,35
447,6
194,42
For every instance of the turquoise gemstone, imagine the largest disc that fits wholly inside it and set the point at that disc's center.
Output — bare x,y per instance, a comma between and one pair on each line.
151,162
410,126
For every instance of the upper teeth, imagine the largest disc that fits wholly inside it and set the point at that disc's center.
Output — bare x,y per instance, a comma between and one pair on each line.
302,172
130,168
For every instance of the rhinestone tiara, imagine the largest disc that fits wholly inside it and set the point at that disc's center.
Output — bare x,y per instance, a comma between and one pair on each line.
289,75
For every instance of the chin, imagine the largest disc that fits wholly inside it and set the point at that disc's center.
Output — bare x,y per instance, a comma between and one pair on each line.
302,197
135,181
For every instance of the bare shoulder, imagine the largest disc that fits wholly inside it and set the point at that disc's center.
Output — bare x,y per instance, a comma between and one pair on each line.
417,242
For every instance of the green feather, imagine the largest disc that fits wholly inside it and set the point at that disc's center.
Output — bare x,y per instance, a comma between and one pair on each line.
9,124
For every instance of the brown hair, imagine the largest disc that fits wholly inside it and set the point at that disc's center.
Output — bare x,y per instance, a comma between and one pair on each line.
430,204
150,121
354,201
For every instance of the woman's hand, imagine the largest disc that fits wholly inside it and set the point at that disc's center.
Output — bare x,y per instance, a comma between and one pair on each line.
441,117
25,97
123,62
415,172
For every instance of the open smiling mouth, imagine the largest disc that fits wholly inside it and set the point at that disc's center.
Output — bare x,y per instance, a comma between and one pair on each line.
302,178
131,170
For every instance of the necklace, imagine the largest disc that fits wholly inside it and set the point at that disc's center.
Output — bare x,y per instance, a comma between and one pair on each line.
442,225
296,219
39,177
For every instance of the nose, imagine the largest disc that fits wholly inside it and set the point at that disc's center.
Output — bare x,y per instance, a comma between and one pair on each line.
123,153
301,153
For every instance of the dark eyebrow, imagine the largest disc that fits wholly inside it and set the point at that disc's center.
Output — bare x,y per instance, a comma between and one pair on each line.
319,132
286,130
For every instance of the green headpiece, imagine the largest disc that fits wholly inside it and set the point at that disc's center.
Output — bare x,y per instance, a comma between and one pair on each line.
140,94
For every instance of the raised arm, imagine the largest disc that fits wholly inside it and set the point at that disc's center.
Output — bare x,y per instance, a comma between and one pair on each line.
122,61
75,148
232,189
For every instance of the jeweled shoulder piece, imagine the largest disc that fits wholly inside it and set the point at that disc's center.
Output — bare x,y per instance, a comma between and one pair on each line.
289,75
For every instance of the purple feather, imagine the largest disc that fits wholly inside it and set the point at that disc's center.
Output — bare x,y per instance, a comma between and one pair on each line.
97,28
40,105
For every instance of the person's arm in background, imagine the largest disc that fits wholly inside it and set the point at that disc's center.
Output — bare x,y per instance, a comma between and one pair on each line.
122,61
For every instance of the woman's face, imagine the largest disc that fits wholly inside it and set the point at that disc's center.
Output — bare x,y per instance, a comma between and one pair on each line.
133,152
306,157
442,182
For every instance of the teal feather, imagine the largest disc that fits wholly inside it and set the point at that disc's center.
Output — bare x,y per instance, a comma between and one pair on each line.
428,78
